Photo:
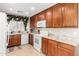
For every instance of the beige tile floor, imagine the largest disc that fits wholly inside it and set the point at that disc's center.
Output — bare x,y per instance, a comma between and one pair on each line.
25,50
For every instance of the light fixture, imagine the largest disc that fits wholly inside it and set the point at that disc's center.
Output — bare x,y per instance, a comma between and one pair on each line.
11,9
32,8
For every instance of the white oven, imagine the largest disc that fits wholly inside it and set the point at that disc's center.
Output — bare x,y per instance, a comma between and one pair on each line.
37,43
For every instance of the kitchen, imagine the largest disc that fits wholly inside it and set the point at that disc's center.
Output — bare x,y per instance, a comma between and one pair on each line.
49,30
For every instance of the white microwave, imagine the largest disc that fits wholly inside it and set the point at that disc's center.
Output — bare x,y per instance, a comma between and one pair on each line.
41,23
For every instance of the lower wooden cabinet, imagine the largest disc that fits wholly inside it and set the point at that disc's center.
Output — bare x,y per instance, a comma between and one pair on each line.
64,52
11,41
14,40
17,40
55,48
52,48
65,49
31,39
44,46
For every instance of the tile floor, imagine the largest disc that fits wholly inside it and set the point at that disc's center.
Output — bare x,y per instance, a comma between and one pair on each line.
25,50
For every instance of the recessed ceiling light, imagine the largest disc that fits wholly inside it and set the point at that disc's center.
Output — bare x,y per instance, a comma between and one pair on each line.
32,8
11,9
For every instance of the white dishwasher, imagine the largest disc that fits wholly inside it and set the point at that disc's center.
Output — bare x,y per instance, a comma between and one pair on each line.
24,39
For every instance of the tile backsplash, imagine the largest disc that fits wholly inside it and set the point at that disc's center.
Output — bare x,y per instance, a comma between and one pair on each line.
62,31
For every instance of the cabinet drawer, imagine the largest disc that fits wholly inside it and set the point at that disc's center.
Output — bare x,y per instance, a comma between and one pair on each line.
52,42
65,52
67,46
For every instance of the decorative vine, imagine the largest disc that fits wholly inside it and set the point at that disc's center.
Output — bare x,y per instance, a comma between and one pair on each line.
18,18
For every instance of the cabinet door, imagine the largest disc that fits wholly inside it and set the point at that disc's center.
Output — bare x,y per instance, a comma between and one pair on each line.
57,16
31,39
52,48
11,41
44,45
32,22
35,21
41,16
17,40
64,52
70,15
49,18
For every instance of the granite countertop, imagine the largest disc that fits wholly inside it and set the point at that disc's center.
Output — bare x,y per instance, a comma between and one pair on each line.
68,39
15,33
62,38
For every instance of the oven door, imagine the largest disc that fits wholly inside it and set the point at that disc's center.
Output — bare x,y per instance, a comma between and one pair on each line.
37,42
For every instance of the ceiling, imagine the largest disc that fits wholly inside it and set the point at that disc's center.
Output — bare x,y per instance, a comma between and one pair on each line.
24,9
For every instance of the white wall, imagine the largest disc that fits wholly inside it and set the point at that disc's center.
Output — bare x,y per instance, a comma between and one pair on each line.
66,31
3,33
15,26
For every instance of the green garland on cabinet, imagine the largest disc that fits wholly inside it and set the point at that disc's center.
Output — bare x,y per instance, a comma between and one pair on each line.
18,18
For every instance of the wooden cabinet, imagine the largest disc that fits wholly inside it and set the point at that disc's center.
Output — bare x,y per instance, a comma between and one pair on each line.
11,41
65,15
14,40
56,48
52,48
70,15
44,45
57,16
17,40
33,20
65,50
41,16
31,39
49,18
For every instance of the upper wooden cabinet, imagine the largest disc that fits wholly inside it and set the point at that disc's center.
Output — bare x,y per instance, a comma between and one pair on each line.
70,15
41,16
33,21
57,16
61,15
48,18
